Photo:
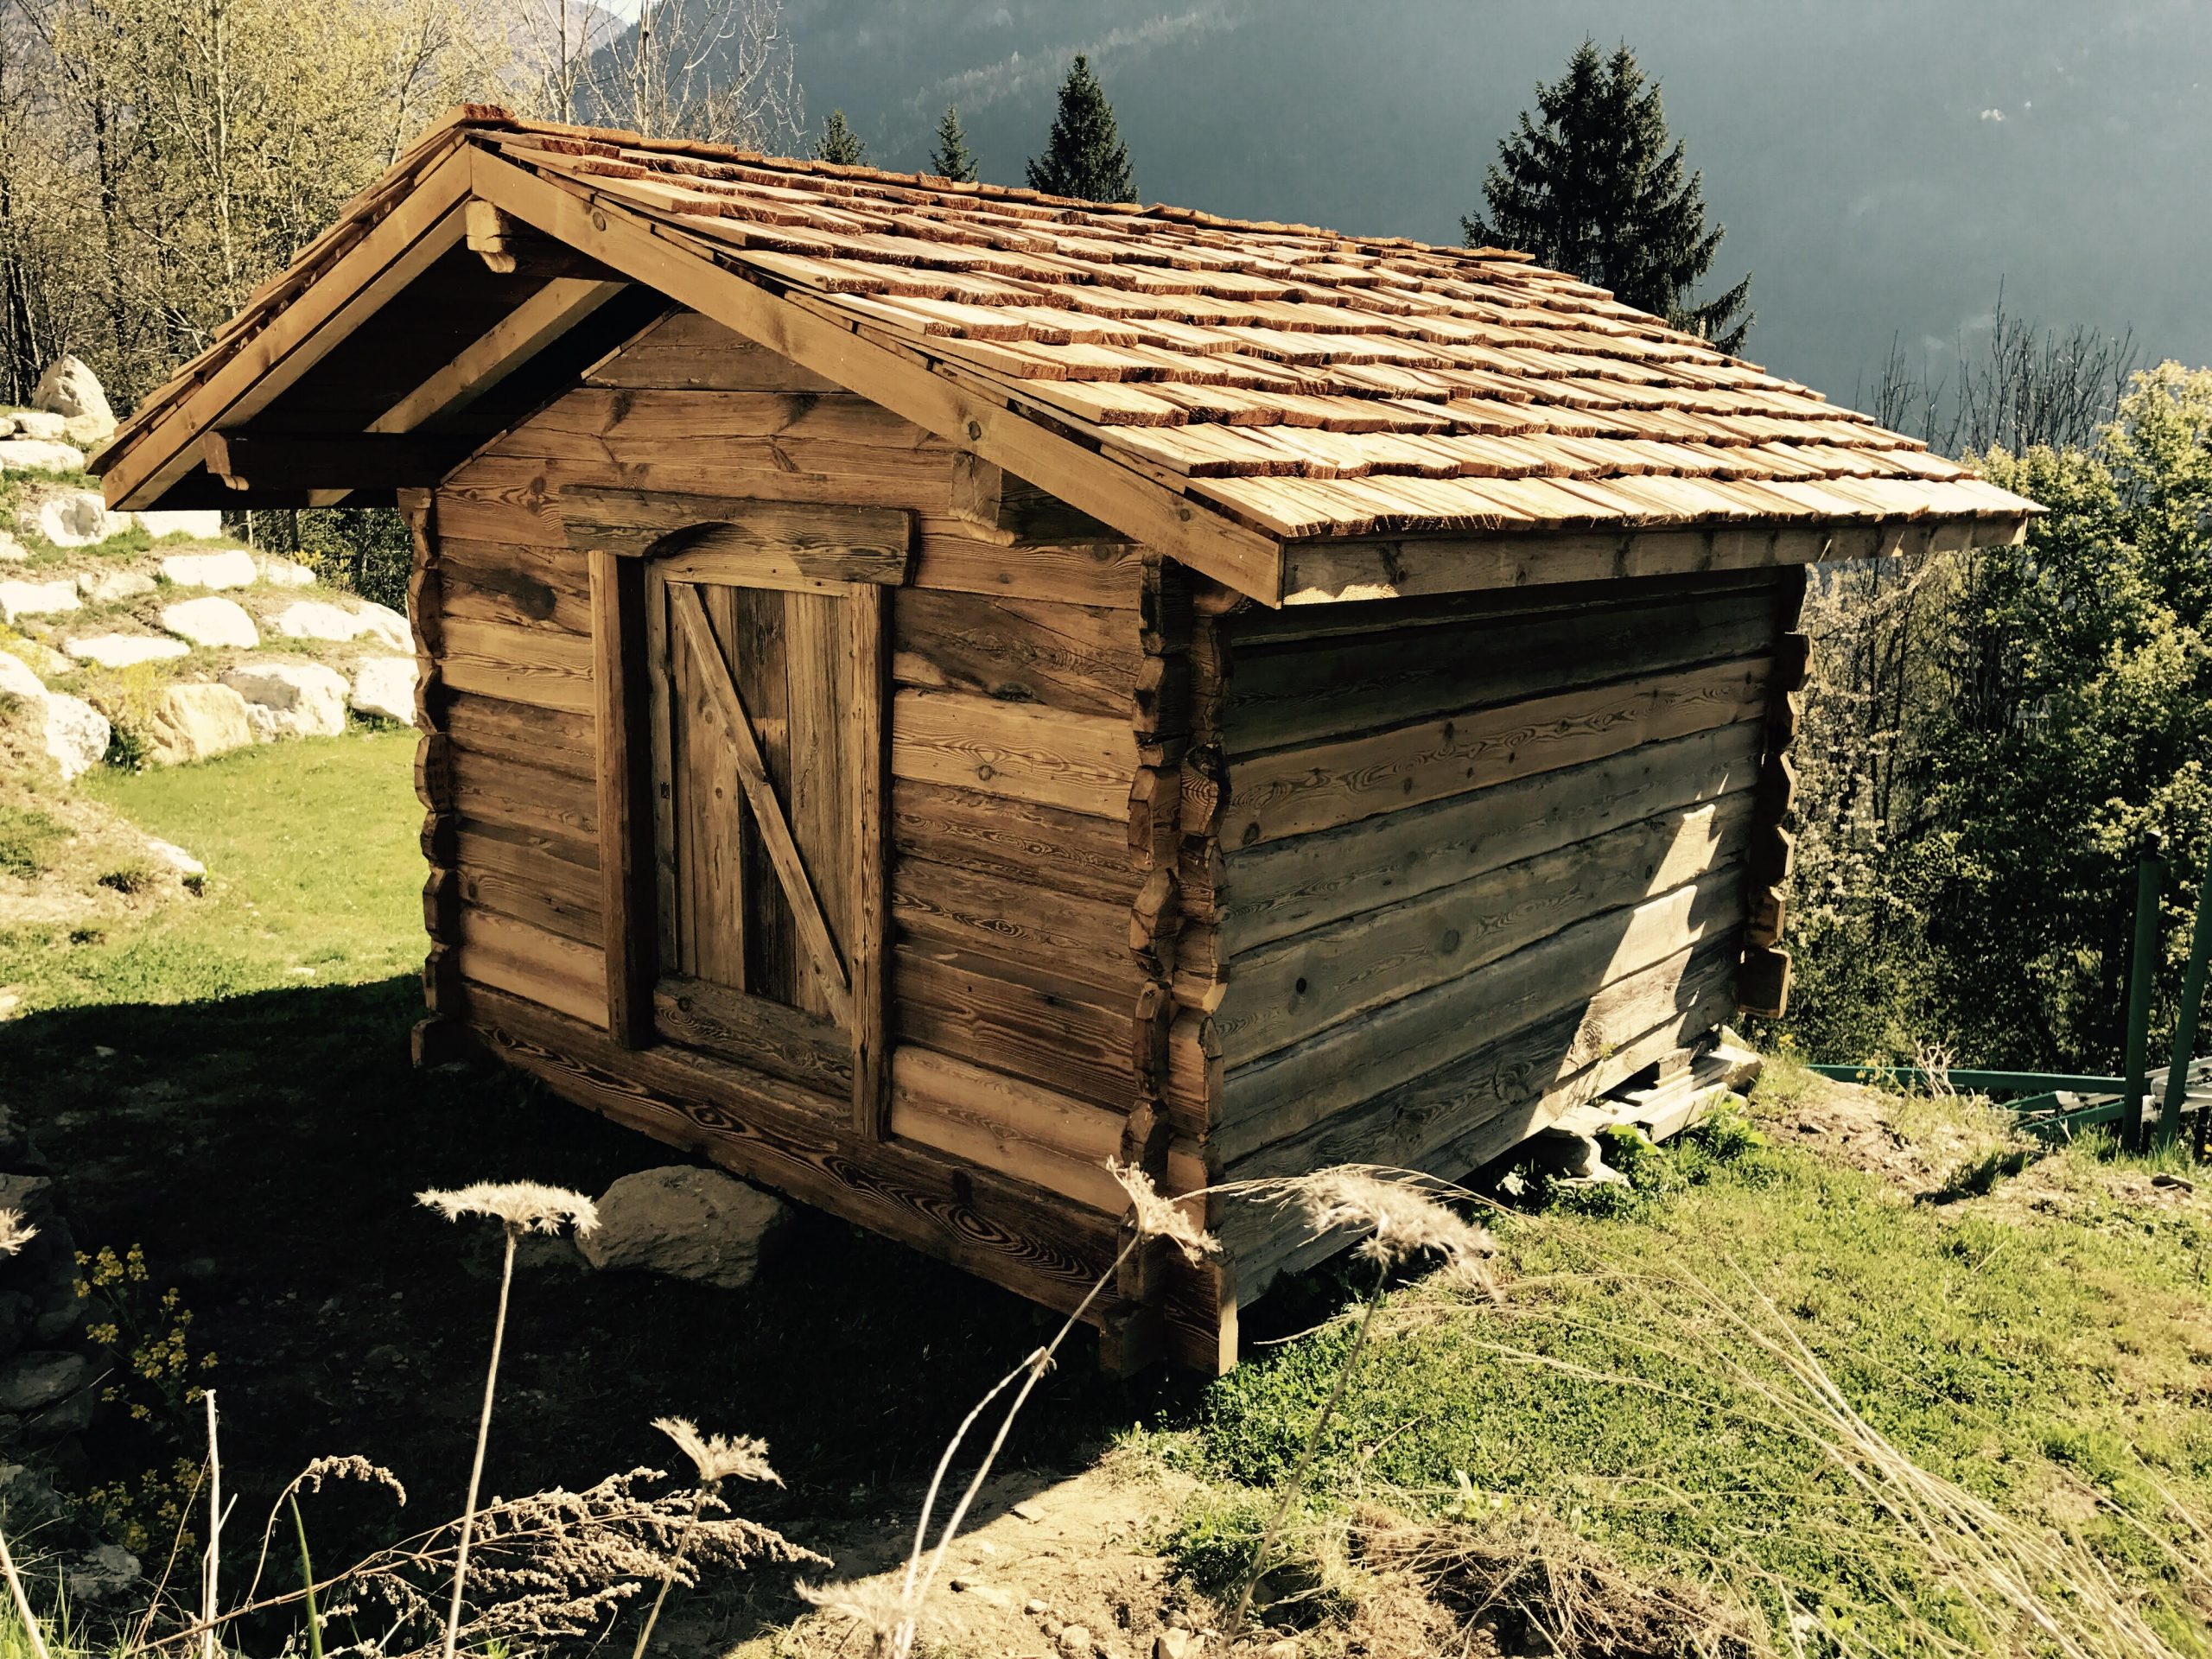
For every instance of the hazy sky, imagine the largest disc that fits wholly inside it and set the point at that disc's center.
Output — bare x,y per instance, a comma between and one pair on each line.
1880,164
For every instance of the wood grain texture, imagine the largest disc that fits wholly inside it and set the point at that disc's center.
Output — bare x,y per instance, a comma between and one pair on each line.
631,932
1021,920
530,963
1013,841
1012,1018
1084,763
545,669
1080,658
805,1049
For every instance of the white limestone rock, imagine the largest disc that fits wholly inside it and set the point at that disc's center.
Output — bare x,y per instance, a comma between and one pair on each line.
76,734
16,679
302,699
212,621
175,857
11,551
231,567
37,423
36,599
39,455
88,433
384,686
69,388
113,587
201,523
315,619
125,650
196,720
70,518
283,573
690,1223
387,627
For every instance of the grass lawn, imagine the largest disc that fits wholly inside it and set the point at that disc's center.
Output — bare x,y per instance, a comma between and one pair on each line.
313,874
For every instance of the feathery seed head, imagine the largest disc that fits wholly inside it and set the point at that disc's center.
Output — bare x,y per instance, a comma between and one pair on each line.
522,1206
872,1604
717,1457
1159,1218
1401,1218
14,1231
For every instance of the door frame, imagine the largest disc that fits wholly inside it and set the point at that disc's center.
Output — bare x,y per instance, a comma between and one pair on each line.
852,554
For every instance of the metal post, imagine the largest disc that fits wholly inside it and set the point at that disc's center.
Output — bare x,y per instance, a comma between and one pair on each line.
2141,977
2192,1003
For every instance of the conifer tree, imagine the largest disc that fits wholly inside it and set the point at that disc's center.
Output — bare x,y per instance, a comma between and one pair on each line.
1592,187
1085,156
951,158
839,142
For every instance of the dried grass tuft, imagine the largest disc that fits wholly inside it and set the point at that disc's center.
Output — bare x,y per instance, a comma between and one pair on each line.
1401,1214
14,1231
718,1457
1156,1216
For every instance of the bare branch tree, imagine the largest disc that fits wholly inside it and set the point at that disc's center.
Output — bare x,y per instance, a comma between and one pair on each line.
720,71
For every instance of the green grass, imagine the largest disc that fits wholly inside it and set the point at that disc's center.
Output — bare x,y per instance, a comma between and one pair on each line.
313,869
29,841
2032,1357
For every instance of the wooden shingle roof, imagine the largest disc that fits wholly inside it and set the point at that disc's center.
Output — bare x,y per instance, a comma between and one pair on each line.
1281,383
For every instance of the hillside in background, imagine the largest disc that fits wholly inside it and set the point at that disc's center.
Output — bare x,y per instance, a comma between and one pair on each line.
1880,167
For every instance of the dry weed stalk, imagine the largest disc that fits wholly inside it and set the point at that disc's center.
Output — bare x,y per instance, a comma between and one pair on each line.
519,1207
14,1233
716,1457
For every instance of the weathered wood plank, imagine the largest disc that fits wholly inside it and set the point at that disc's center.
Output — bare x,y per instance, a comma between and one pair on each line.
538,667
495,790
1016,1019
1080,658
631,935
1297,1087
1085,763
686,351
862,738
1012,840
799,1047
1022,920
528,962
1283,888
551,905
523,586
1295,988
1299,791
1259,629
641,423
550,739
1102,573
816,470
730,538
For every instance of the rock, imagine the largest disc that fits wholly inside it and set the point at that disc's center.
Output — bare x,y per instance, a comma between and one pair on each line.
88,433
71,517
104,1573
168,853
690,1223
196,720
123,650
234,567
982,1590
384,686
113,587
316,618
1178,1644
303,699
44,659
70,388
201,523
386,625
16,679
36,599
212,621
282,572
34,1380
37,423
39,455
11,551
30,1196
1285,1648
76,734
1036,1607
64,1322
1075,1641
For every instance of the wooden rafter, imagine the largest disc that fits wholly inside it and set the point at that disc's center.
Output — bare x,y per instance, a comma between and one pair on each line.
761,792
503,348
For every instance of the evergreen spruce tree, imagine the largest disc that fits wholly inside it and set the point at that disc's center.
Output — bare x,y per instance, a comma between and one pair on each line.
1085,156
951,158
839,142
1593,188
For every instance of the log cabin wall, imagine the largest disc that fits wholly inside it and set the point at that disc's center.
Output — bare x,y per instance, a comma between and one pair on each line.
1456,864
1035,736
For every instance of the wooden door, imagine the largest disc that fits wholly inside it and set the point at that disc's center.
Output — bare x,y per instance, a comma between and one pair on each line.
766,719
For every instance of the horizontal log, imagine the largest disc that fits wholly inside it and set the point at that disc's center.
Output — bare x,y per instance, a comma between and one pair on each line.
1321,787
767,542
1108,573
524,585
538,667
1012,1018
1283,887
549,740
552,906
816,470
636,424
555,804
685,351
801,1048
1320,573
1317,690
1287,991
1085,763
1295,1088
1012,840
1081,658
533,964
1025,921
564,868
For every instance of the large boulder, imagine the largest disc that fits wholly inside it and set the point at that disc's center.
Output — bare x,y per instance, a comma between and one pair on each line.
212,621
39,455
69,389
70,518
201,523
690,1223
294,699
36,599
384,686
283,573
316,618
196,720
387,627
233,566
125,650
113,587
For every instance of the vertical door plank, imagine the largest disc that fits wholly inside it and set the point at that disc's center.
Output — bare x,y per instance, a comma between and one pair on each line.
863,742
629,934
662,723
820,791
713,871
750,622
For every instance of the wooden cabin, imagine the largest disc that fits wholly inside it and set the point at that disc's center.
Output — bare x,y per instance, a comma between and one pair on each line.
927,687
